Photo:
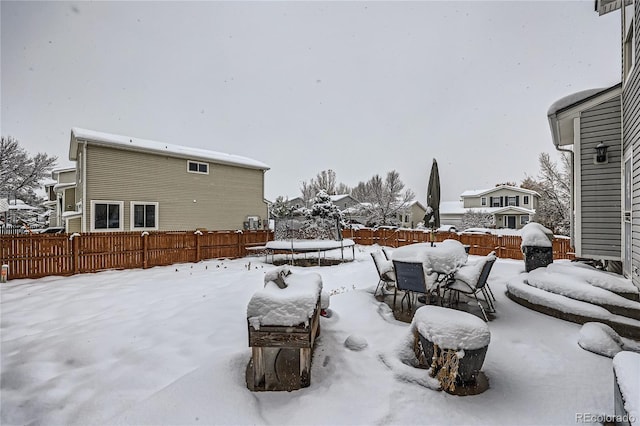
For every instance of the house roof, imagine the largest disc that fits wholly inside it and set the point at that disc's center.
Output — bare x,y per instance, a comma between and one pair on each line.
339,197
562,112
154,147
480,192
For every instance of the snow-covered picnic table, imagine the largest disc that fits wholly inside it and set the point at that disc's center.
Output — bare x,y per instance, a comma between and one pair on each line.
443,258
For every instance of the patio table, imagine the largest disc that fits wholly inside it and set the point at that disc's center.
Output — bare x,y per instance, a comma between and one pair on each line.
439,261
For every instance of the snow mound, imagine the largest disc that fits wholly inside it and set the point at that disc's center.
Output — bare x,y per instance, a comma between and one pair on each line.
356,343
595,277
576,287
534,234
451,329
600,339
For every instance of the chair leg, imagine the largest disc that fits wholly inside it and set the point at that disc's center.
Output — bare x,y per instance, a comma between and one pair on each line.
487,298
395,294
484,314
490,291
377,287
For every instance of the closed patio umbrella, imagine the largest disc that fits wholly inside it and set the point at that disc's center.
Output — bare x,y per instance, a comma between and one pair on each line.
432,216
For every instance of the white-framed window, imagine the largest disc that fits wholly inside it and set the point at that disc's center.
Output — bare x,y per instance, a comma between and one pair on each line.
525,200
495,202
483,201
197,167
107,215
512,201
524,219
143,215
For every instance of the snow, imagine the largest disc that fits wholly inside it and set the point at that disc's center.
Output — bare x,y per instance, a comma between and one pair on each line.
573,99
169,345
128,142
627,367
536,235
451,329
600,338
287,306
605,280
576,287
519,288
470,272
445,257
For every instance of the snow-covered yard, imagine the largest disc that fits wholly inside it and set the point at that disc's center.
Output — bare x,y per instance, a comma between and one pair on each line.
169,345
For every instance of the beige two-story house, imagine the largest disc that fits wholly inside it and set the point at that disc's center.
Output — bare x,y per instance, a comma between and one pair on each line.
61,196
510,206
122,183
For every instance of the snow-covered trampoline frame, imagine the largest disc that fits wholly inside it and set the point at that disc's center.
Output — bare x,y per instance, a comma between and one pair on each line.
307,246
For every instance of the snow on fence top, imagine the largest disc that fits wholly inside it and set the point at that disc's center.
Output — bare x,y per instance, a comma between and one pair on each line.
534,234
287,306
451,329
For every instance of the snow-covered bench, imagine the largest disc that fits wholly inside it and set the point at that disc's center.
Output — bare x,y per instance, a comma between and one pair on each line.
285,315
626,369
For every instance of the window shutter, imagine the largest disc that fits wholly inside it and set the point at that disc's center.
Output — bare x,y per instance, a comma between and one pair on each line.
501,201
490,201
517,200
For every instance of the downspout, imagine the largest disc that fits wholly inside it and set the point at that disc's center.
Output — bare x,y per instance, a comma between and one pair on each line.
83,225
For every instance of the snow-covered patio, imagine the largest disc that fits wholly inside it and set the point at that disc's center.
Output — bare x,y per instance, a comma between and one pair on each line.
169,345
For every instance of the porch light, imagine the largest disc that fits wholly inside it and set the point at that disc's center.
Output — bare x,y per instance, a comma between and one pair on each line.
601,153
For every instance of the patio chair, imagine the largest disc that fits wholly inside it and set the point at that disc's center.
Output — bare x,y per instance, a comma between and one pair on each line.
460,285
410,279
386,274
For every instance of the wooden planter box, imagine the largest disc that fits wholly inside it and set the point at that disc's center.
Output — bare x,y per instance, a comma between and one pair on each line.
281,356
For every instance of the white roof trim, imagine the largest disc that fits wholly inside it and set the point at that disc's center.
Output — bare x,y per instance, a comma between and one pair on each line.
154,147
480,192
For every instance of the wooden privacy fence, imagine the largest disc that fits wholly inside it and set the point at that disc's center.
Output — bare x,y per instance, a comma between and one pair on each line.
35,256
505,246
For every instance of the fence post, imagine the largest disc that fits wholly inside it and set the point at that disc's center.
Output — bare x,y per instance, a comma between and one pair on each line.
240,242
145,250
197,234
75,253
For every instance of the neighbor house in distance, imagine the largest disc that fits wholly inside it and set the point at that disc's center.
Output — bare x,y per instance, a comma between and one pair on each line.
510,206
122,183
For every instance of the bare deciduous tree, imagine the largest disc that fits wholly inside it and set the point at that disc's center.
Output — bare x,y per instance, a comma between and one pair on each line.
554,186
20,173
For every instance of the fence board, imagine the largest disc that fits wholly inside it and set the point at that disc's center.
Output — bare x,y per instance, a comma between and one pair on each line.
35,256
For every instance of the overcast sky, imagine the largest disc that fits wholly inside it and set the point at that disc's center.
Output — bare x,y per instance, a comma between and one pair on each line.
358,87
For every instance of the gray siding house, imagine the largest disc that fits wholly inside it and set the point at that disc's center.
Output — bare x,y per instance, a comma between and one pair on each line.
607,186
128,184
61,196
579,123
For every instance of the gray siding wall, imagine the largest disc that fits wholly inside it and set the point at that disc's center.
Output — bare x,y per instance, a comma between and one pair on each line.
223,198
601,187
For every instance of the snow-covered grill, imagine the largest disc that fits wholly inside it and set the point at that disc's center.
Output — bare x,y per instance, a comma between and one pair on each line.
283,321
